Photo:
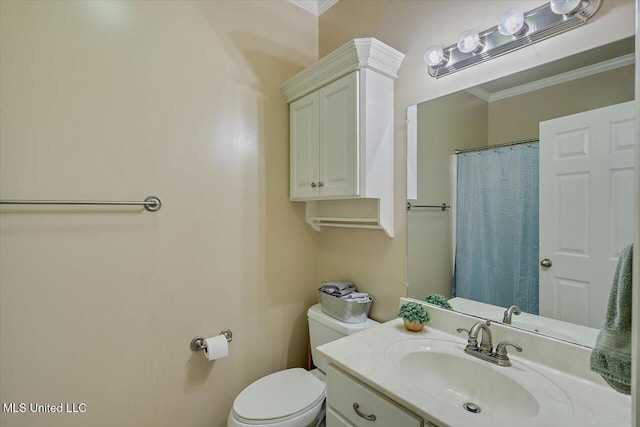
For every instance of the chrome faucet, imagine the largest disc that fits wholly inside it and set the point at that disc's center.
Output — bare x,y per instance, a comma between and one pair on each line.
514,309
485,351
486,346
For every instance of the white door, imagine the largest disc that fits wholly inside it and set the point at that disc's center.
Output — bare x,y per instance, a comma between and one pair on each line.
304,138
339,138
586,215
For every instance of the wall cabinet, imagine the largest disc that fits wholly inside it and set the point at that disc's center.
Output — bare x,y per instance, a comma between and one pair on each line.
341,136
324,142
351,403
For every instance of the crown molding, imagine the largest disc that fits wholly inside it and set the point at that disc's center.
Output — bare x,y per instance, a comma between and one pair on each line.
316,7
480,93
354,55
579,73
324,5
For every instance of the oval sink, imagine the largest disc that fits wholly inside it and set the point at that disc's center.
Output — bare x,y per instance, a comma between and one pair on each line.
442,369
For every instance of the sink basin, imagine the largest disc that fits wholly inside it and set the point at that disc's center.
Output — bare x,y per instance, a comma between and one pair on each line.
442,369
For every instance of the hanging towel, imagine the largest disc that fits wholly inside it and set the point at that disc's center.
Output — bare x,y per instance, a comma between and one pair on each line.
611,357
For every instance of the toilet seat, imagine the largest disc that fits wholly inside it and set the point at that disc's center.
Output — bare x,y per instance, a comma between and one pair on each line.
292,394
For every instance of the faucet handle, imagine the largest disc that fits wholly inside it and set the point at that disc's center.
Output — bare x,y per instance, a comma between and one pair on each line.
501,349
460,330
501,356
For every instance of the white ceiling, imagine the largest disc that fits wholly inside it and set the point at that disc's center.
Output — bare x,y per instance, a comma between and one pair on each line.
317,7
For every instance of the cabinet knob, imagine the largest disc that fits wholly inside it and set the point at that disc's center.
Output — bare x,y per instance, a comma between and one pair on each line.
320,184
313,185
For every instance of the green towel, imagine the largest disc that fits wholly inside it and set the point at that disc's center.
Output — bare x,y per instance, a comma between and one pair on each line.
611,357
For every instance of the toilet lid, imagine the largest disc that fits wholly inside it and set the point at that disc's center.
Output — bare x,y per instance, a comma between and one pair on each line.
279,395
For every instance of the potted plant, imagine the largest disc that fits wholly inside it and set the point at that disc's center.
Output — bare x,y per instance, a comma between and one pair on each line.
415,315
437,299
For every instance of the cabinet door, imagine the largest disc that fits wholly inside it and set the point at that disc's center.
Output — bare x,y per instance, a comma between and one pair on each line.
304,137
339,133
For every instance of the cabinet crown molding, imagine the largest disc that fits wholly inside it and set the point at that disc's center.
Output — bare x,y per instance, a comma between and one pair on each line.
354,55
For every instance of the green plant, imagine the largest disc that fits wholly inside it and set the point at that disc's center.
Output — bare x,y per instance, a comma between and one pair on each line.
437,299
414,312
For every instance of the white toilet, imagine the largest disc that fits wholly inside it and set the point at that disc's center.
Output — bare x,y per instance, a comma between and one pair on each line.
293,397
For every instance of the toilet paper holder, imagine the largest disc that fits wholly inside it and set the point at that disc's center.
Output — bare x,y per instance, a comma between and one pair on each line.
199,344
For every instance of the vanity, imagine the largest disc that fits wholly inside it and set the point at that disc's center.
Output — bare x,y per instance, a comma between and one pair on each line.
388,376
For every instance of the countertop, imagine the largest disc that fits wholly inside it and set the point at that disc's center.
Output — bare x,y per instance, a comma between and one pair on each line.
363,356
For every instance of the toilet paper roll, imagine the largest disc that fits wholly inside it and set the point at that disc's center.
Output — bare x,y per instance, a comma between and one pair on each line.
217,347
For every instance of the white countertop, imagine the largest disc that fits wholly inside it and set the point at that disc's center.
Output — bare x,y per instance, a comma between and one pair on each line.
363,356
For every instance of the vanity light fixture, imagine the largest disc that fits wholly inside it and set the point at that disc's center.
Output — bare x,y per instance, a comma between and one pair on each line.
516,30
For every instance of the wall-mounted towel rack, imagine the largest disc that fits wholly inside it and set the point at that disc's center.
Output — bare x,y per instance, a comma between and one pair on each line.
442,207
151,203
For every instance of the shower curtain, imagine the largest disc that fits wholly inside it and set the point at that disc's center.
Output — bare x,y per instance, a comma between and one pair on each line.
496,260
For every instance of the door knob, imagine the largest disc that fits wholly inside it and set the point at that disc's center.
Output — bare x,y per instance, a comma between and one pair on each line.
546,263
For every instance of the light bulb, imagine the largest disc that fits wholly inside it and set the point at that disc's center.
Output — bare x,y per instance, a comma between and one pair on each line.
565,7
512,23
433,56
469,41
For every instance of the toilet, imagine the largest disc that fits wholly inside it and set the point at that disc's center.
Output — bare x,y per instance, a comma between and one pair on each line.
293,397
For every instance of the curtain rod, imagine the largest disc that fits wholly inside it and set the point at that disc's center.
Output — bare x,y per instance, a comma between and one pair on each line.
493,147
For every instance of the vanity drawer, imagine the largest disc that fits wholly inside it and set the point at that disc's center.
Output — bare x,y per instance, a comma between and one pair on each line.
343,391
335,420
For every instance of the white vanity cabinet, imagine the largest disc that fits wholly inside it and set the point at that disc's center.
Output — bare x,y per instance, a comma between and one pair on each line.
341,136
351,403
324,142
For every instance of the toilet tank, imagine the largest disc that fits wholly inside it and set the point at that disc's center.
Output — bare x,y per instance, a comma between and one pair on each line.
324,328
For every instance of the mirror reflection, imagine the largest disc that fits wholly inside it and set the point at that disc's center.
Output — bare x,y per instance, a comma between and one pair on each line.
537,170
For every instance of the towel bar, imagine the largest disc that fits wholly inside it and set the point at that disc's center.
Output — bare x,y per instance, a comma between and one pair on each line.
443,206
151,203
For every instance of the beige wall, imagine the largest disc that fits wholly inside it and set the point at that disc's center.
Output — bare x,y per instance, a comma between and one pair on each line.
518,117
455,121
120,100
375,263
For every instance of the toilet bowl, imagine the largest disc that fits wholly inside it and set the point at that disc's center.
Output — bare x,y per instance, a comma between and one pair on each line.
289,398
293,397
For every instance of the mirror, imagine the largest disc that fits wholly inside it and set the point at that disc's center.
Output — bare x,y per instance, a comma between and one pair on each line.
535,202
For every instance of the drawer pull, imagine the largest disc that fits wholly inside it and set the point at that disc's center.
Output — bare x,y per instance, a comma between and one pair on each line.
356,408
